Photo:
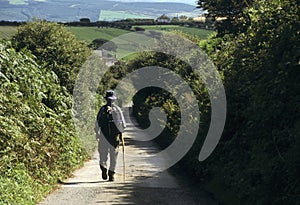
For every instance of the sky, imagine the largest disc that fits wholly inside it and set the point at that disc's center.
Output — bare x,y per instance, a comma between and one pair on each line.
192,2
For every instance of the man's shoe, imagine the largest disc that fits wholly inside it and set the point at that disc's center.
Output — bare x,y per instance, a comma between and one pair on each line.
111,176
104,175
104,172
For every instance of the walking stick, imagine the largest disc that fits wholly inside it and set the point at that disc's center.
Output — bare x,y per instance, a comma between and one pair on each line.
123,143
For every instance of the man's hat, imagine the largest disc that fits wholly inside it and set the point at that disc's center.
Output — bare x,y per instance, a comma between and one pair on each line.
110,94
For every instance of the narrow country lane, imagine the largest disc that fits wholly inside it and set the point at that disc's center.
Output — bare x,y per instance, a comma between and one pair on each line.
143,184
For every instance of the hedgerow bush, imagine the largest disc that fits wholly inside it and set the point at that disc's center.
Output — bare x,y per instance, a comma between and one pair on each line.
38,142
258,156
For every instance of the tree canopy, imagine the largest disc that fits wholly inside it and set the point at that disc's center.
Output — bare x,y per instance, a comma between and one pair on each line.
54,47
228,15
259,151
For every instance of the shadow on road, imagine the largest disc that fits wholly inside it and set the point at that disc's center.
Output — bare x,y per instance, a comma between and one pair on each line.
79,182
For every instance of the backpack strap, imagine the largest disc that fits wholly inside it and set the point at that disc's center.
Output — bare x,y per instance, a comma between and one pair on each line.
99,115
121,123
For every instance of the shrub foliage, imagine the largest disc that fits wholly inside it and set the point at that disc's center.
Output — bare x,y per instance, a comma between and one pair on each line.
54,47
38,142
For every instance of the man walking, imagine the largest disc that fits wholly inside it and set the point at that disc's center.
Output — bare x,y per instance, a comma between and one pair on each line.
111,123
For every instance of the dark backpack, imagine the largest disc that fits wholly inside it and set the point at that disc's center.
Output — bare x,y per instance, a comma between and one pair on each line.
108,121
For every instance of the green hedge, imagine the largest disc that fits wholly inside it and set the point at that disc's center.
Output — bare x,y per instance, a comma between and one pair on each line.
258,158
38,144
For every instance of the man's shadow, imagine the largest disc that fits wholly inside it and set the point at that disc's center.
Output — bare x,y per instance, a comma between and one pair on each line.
74,183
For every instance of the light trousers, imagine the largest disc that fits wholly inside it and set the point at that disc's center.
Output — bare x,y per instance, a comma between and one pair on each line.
105,149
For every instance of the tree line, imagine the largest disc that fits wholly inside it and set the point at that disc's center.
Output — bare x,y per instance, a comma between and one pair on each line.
126,23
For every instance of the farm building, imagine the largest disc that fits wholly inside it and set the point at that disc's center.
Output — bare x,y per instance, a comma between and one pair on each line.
163,19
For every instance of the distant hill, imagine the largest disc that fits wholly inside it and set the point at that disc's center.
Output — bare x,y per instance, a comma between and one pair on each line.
73,10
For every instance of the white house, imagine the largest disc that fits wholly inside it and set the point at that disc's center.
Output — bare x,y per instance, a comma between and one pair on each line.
163,19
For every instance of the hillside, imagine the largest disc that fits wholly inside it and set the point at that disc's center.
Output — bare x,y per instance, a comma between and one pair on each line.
73,10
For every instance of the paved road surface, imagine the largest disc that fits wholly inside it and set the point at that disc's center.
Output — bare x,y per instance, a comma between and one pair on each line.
143,184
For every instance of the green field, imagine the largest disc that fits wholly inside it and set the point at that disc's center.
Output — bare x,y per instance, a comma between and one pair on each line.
18,2
107,15
88,34
7,31
202,33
